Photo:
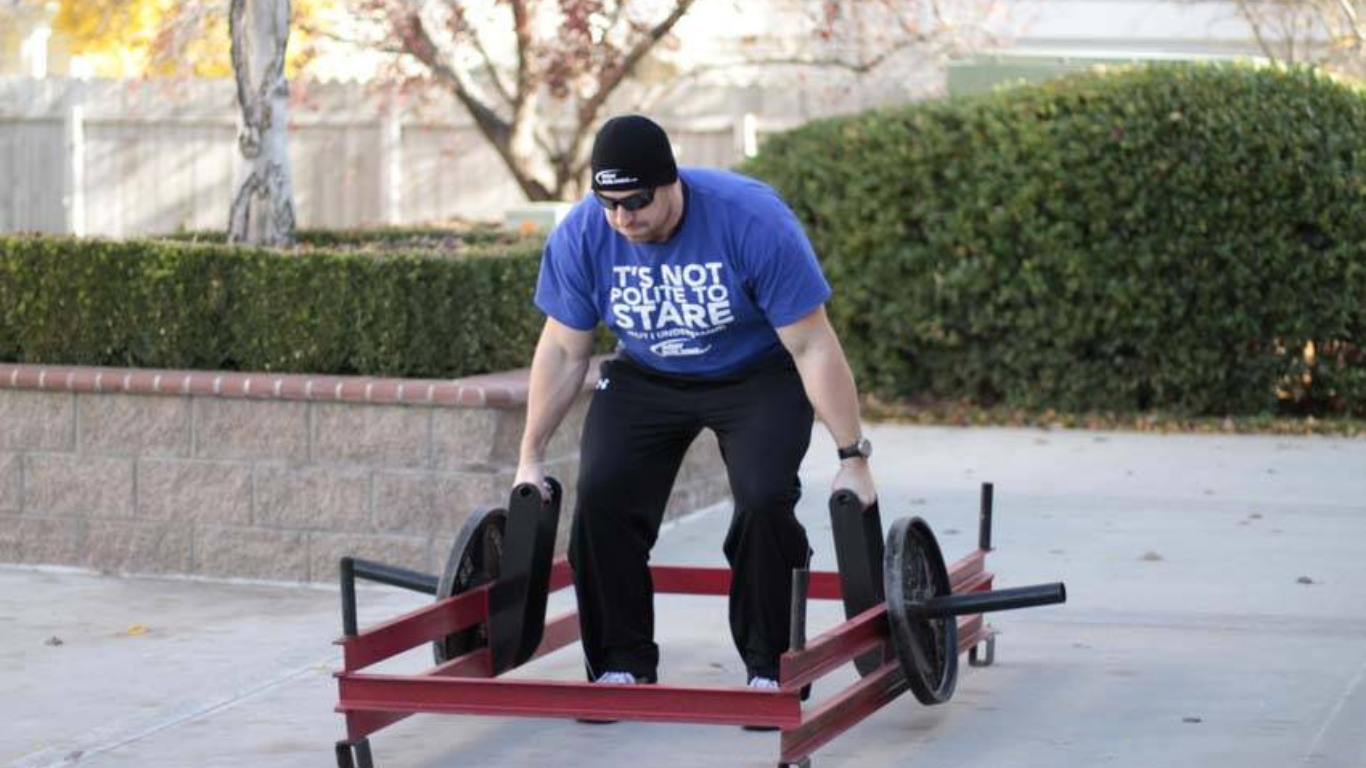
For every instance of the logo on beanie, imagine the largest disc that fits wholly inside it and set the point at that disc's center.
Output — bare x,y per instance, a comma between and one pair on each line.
609,177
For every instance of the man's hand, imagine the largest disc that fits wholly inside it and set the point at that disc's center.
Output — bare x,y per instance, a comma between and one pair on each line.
855,476
532,472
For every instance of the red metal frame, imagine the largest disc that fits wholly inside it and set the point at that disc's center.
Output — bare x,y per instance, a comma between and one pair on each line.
465,685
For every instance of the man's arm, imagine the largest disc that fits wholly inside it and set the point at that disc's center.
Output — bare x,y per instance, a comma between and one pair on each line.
830,387
557,372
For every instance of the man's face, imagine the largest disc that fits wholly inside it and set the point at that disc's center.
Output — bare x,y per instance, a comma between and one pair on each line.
639,215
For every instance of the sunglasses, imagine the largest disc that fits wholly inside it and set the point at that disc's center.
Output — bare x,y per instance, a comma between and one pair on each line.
630,202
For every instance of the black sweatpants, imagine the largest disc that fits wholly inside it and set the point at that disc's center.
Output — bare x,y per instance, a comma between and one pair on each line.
639,425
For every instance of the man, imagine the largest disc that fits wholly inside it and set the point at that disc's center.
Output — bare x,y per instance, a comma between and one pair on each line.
717,300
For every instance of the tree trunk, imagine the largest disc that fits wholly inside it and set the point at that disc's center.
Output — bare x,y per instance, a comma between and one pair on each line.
531,160
262,210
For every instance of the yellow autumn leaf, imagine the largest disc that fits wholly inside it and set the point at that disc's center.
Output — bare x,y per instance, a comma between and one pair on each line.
168,38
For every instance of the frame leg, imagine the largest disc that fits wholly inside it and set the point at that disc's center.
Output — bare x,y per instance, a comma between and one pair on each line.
988,656
801,580
355,755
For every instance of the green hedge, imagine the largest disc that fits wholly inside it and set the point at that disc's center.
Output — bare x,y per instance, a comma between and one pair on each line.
172,304
389,237
1165,237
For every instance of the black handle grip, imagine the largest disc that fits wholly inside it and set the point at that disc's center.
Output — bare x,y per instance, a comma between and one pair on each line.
525,491
994,600
394,576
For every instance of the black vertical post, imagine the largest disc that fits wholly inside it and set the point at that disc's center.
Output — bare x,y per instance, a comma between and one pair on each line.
984,521
348,596
801,579
363,757
354,754
344,757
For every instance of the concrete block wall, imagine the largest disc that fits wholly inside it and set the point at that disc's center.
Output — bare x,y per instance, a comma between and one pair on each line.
268,476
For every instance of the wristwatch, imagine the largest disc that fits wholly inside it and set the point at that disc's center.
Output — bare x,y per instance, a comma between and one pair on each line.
859,448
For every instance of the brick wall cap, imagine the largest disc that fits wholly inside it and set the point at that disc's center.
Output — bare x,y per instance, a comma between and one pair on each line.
504,389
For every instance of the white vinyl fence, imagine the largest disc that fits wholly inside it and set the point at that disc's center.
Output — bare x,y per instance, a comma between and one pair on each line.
122,159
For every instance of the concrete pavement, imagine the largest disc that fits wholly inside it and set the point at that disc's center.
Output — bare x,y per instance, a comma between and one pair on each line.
1216,617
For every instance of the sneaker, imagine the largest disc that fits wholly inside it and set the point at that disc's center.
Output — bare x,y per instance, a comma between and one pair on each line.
615,678
762,684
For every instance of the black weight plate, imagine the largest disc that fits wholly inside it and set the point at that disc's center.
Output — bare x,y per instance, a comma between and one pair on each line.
914,572
476,558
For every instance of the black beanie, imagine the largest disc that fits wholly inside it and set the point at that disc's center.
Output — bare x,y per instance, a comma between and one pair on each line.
632,152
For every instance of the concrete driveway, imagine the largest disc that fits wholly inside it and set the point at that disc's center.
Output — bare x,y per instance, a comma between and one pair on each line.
1216,617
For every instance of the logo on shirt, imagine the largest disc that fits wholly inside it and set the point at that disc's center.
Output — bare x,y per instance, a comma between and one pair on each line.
609,177
678,348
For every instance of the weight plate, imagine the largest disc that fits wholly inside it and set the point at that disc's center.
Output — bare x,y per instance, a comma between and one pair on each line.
913,572
476,558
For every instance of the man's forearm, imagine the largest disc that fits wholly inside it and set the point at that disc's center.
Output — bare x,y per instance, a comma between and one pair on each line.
556,379
830,387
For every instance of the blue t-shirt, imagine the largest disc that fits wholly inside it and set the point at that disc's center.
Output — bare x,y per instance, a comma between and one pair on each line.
703,303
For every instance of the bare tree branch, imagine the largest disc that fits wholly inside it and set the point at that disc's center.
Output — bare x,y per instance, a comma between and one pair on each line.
521,28
608,81
1349,11
1252,19
613,77
1327,33
419,44
328,33
857,67
495,129
471,35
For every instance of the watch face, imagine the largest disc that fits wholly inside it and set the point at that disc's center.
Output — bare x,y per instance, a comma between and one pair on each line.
862,448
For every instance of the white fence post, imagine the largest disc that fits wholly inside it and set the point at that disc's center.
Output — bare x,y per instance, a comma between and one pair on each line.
749,129
391,165
73,197
744,102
